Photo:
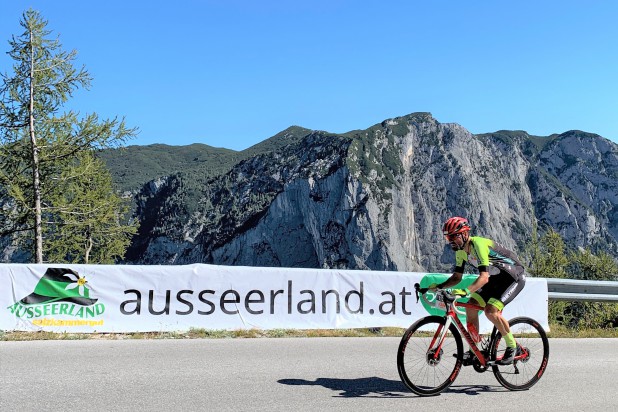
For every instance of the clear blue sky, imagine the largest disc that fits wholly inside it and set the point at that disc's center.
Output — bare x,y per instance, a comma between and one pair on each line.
231,73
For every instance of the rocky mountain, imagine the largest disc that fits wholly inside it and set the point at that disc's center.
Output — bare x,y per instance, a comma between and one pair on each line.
371,199
367,199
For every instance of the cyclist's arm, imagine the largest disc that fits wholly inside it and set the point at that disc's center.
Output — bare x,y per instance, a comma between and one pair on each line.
452,281
480,281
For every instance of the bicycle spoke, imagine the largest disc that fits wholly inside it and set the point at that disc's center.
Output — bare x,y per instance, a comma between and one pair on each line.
530,364
424,369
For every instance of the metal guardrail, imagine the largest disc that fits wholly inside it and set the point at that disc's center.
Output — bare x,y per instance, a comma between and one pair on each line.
575,290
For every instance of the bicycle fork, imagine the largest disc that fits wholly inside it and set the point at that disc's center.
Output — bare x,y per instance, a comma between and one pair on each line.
433,355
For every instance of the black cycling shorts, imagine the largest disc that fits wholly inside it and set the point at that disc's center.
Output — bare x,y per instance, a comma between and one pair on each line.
502,288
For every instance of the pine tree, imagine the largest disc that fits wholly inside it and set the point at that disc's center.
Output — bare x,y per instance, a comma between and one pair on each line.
548,256
88,213
38,142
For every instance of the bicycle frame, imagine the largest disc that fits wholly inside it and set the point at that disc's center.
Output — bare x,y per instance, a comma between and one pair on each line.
451,316
464,331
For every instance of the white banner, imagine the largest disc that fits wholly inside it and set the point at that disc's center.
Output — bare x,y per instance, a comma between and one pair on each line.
117,298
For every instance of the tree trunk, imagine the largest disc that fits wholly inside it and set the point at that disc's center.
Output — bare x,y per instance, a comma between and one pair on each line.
36,182
89,245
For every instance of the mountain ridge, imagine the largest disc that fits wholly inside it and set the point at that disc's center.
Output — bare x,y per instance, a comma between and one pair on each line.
120,160
375,198
365,199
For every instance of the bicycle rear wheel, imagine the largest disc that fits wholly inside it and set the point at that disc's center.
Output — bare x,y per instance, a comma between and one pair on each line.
427,365
530,360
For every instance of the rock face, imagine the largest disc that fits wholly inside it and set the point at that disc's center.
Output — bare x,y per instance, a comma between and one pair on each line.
372,199
576,189
376,199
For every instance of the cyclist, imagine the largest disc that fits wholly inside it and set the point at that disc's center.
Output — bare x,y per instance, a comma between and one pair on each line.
501,278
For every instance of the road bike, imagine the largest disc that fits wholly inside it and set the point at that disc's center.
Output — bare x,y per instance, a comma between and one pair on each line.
431,352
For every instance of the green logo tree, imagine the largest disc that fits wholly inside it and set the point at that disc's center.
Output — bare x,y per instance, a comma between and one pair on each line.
430,278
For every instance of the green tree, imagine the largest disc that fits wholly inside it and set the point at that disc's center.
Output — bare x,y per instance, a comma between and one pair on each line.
548,256
38,141
586,265
89,213
583,264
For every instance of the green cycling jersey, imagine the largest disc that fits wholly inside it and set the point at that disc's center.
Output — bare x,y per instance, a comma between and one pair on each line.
487,255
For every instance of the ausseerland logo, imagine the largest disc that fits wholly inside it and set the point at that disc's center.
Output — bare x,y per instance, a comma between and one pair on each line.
436,278
60,292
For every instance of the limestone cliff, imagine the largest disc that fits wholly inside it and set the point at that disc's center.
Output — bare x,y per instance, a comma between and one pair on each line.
376,199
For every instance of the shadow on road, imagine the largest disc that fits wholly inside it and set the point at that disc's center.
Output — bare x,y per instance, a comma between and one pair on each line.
475,389
352,388
375,387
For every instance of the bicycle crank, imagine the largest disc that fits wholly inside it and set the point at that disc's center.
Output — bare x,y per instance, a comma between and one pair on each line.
476,364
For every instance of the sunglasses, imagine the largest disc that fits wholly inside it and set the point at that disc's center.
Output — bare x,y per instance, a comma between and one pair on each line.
451,238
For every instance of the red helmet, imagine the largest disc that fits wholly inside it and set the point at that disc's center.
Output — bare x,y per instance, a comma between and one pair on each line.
455,225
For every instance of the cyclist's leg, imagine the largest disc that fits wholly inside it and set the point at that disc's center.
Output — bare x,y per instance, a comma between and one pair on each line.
472,317
506,287
481,297
493,311
472,324
490,293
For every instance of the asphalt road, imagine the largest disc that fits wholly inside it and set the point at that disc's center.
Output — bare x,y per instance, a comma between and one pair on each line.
343,374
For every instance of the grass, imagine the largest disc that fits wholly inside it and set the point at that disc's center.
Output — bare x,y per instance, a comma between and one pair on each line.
560,331
557,331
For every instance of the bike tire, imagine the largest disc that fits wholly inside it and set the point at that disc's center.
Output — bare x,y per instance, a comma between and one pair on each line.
422,375
528,367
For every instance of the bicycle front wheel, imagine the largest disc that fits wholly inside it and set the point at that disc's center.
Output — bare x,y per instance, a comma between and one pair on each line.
531,357
429,360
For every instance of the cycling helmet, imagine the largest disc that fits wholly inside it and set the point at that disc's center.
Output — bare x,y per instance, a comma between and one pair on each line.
455,225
